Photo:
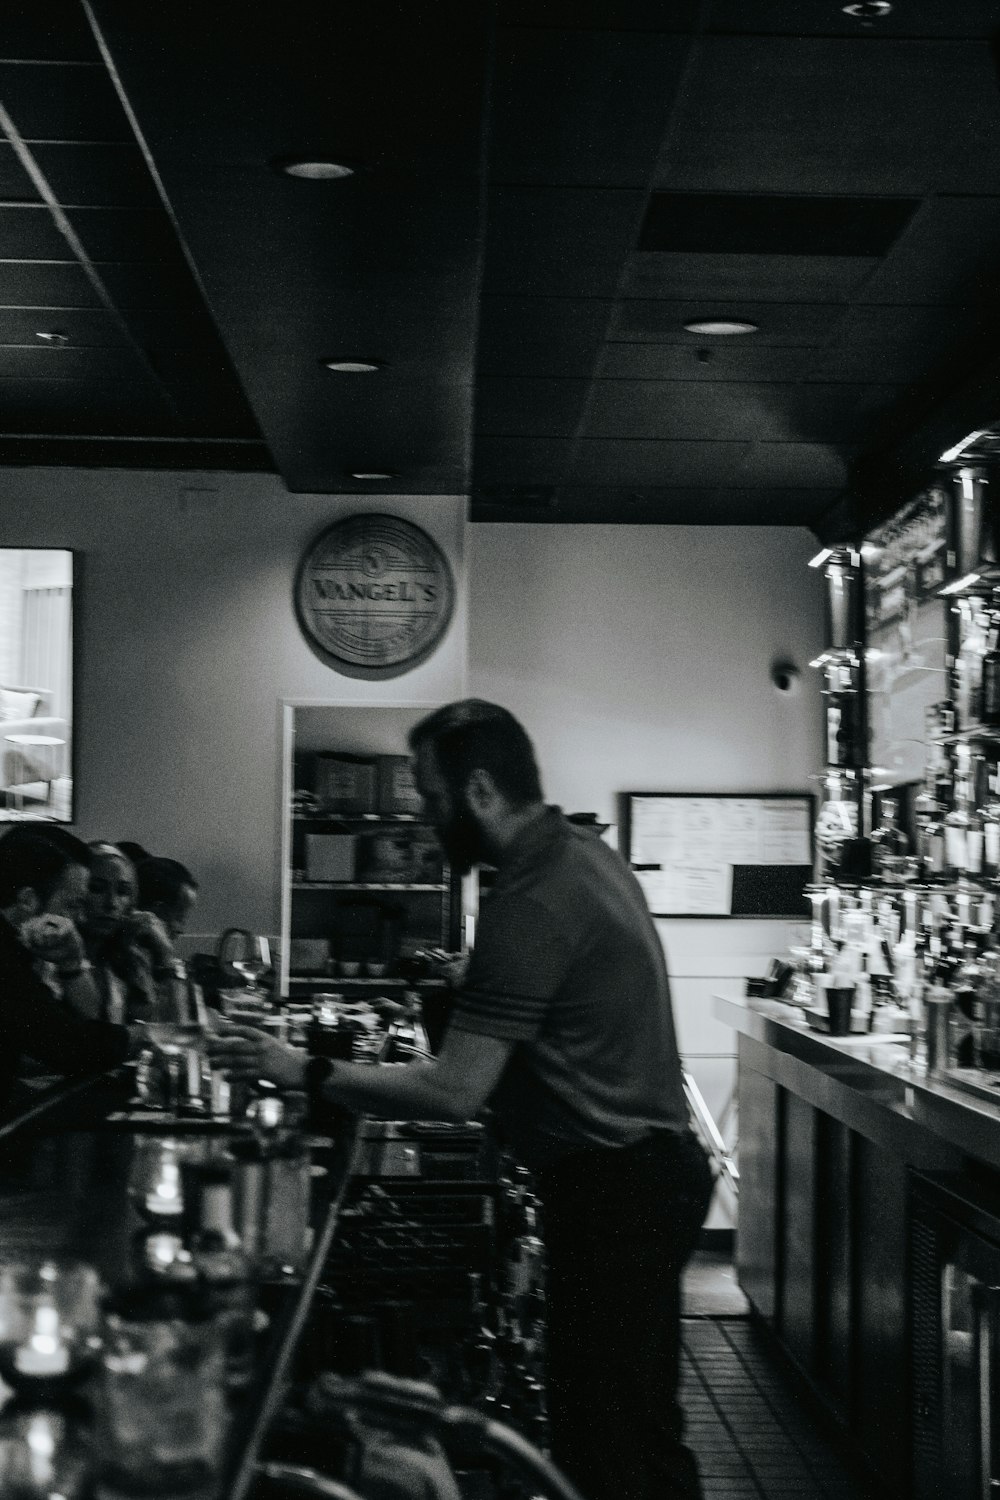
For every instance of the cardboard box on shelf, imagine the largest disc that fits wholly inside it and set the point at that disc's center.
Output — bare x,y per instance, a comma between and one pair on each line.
309,955
397,790
331,856
345,783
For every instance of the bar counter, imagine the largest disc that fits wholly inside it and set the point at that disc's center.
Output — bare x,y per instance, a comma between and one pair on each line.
841,1139
64,1192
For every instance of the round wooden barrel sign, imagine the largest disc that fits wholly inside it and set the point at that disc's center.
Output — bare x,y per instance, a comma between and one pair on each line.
374,595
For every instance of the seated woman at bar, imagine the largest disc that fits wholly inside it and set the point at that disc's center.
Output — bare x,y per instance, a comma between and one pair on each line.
125,945
167,889
46,873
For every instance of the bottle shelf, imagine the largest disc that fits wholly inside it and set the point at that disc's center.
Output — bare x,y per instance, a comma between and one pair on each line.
985,733
368,818
364,885
338,981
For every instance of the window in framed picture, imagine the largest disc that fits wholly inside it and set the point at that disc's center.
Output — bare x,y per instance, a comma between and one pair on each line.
36,684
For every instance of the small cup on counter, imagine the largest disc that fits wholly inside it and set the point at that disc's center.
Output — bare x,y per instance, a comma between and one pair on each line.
839,1000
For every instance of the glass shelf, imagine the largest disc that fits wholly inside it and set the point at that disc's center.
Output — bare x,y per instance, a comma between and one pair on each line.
336,981
364,885
342,817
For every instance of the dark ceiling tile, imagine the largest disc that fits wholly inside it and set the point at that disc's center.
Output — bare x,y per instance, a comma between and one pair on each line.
55,30
652,506
711,360
562,242
730,412
771,224
30,233
85,328
15,184
741,278
516,460
135,453
662,321
583,107
529,408
45,285
949,254
618,461
98,366
149,284
63,104
75,406
82,173
600,15
917,18
549,336
126,234
889,343
799,115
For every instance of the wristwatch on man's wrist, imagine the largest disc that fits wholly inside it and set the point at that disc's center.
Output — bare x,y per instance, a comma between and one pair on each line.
317,1071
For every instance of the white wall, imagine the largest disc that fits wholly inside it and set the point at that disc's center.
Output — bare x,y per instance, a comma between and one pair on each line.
188,643
639,658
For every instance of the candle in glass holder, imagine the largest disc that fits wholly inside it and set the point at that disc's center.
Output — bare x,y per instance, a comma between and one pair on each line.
164,1199
45,1353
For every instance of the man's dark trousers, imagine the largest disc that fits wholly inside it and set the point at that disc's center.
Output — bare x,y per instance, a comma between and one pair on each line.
619,1225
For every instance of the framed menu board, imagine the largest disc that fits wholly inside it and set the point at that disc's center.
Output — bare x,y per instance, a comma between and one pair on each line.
716,855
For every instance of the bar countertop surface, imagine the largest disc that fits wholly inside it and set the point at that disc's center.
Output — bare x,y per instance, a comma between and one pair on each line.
870,1083
64,1175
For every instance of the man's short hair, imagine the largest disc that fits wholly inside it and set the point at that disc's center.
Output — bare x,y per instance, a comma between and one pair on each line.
471,735
36,858
162,880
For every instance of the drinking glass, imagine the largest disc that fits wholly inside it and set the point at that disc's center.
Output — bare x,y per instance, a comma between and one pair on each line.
161,1409
173,1041
49,1317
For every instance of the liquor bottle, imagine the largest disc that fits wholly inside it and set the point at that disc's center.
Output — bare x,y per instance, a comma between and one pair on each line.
989,699
969,663
957,822
225,1272
991,824
890,846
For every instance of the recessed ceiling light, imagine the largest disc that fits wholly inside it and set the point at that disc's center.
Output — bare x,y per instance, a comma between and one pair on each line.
53,338
868,10
312,169
721,326
371,474
352,366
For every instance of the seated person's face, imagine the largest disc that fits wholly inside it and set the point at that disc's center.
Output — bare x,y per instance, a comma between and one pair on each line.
174,914
111,896
68,897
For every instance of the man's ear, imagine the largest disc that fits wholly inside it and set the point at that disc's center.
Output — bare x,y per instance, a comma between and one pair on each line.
481,790
27,903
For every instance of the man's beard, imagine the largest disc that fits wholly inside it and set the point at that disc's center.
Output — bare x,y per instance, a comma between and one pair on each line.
462,840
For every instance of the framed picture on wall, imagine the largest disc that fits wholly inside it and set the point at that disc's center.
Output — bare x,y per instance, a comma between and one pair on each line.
36,684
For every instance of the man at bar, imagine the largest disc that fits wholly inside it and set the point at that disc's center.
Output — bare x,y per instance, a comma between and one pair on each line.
46,873
563,1025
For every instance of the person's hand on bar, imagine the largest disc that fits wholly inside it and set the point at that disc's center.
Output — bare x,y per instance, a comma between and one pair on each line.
245,1052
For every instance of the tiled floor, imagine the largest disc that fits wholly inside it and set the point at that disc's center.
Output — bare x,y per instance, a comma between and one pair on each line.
753,1438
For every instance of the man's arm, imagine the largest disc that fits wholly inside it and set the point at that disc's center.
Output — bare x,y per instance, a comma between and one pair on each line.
453,1086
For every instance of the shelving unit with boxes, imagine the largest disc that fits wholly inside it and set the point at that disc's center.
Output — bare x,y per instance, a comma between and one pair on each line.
365,886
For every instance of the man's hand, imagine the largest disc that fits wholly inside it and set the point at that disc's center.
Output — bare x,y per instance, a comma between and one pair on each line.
54,939
245,1052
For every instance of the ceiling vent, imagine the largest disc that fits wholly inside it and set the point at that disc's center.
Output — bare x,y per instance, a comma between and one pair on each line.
765,224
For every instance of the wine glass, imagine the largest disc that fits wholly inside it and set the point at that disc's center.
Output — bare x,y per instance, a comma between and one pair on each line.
253,960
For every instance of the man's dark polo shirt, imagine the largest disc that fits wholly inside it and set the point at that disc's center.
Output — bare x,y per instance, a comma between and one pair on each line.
568,964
